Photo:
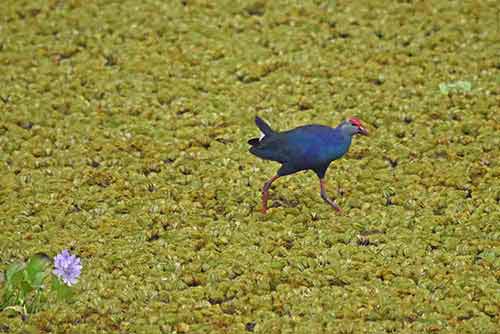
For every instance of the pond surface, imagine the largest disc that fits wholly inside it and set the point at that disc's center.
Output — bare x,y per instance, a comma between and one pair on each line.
123,130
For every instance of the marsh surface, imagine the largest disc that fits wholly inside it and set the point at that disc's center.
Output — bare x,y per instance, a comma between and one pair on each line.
123,128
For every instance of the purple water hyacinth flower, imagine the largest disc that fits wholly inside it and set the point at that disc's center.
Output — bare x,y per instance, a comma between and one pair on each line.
67,267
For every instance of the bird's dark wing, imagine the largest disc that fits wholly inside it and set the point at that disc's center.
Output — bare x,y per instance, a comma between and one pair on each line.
298,146
273,147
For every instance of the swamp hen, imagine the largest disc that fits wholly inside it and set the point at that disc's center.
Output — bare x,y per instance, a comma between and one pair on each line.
308,147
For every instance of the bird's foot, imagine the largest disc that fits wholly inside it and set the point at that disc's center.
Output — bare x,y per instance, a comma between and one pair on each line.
327,199
334,205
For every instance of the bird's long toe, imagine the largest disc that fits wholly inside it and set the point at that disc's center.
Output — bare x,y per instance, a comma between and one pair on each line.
336,207
332,203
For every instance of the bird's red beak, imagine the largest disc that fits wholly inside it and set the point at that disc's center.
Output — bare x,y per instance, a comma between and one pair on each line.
363,131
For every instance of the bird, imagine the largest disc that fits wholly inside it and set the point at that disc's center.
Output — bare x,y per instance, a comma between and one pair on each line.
308,147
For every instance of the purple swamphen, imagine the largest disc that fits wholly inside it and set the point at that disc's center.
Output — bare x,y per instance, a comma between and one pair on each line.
308,147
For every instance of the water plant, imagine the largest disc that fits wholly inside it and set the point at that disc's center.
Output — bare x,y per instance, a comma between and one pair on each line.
25,287
455,87
123,128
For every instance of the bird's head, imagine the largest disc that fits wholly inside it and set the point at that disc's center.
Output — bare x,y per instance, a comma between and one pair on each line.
353,127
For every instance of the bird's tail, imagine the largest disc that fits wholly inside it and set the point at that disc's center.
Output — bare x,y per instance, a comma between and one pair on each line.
264,128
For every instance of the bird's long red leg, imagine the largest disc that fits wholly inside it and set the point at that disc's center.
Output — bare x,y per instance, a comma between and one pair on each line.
325,197
265,192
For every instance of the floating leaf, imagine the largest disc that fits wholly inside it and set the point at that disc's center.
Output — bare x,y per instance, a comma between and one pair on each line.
63,291
455,87
35,269
13,272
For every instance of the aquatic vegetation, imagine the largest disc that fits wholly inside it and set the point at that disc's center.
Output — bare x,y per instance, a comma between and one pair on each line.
458,86
26,284
123,128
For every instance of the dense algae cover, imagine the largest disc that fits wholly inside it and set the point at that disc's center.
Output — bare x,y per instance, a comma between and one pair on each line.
123,128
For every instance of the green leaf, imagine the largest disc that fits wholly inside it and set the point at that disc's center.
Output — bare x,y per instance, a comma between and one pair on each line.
37,280
458,87
25,284
63,291
13,272
444,88
14,284
37,263
464,86
36,269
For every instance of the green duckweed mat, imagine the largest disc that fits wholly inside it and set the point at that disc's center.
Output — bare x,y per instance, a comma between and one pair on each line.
123,129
